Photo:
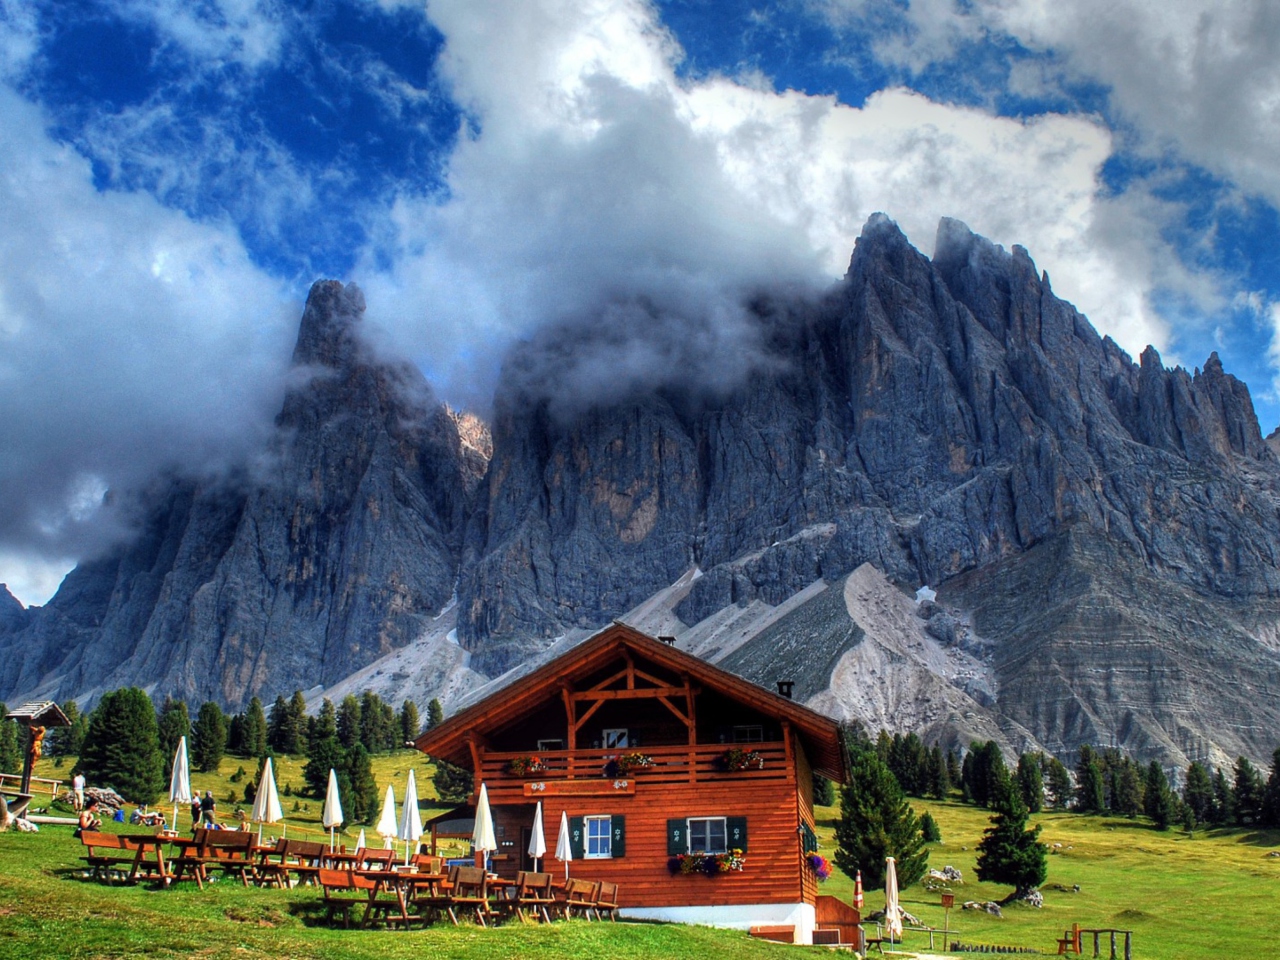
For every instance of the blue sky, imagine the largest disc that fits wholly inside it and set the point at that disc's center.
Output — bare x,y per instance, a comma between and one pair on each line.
174,174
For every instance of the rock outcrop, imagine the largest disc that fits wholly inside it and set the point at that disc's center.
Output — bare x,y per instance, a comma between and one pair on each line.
335,550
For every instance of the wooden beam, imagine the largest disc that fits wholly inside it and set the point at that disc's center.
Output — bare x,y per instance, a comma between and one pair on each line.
652,679
587,716
639,693
791,760
693,716
631,670
608,680
674,709
570,712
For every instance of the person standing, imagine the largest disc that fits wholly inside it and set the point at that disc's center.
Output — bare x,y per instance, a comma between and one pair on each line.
77,788
195,813
208,808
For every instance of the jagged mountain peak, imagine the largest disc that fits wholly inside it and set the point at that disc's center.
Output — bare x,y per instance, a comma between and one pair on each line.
328,333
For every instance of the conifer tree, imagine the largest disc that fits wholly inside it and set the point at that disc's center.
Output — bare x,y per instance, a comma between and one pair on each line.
453,784
929,828
174,724
11,744
1010,853
1224,799
824,791
209,738
876,822
349,721
322,754
363,796
255,729
1197,793
1058,781
939,776
435,713
1090,785
410,723
296,738
122,746
278,722
1271,799
66,741
1248,793
325,723
1031,781
1158,800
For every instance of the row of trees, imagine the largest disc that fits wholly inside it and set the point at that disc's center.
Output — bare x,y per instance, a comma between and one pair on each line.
126,744
876,822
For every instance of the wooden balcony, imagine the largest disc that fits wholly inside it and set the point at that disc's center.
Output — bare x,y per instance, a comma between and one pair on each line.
671,764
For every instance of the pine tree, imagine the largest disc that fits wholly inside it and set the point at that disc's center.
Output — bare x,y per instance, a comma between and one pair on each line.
435,713
876,822
1091,786
1198,793
1248,793
1127,792
453,784
279,721
255,730
824,791
987,772
122,746
1031,781
325,723
929,828
1010,853
12,744
66,741
209,737
939,776
363,798
1224,799
349,721
1058,781
410,723
372,731
322,755
953,768
173,725
1158,800
1271,799
296,739
235,736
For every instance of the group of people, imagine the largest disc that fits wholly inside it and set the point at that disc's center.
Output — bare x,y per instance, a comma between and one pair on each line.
203,809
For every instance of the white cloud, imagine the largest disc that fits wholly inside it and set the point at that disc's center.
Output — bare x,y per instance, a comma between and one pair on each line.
132,339
597,175
215,32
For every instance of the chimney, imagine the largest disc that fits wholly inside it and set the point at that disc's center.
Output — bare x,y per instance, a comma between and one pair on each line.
669,641
784,688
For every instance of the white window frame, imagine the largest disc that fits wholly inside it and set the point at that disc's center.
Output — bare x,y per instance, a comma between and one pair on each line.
748,733
546,744
724,833
620,737
607,853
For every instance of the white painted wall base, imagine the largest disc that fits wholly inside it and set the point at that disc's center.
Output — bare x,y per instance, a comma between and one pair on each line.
737,917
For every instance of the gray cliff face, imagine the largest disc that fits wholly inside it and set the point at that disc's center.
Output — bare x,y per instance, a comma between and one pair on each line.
334,552
928,417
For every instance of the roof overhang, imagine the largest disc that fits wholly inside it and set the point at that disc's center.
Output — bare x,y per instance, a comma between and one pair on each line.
824,744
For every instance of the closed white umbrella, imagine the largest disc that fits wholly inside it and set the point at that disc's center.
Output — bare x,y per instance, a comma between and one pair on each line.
387,826
892,912
484,838
410,819
331,815
537,842
180,780
564,850
266,802
360,842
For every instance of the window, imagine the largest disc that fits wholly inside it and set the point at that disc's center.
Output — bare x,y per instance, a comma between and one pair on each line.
550,744
615,738
599,837
707,835
751,733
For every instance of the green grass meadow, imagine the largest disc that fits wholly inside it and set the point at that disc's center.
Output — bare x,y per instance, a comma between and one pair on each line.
1216,894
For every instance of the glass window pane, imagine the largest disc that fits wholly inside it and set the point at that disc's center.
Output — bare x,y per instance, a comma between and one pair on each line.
599,836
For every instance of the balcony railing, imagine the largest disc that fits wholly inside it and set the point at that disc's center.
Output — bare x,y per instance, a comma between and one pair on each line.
671,764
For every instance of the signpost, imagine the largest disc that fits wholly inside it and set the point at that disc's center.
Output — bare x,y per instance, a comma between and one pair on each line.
948,901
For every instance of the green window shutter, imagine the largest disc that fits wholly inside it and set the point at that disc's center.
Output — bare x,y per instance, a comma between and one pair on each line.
618,846
677,842
576,843
808,839
736,833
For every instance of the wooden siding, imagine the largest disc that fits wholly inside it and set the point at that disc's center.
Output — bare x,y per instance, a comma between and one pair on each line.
773,863
804,814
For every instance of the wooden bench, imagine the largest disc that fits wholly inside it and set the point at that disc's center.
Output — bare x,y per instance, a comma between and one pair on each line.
306,857
105,852
580,895
607,900
341,890
225,850
1069,942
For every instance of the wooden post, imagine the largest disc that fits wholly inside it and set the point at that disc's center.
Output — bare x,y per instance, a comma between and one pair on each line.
1097,952
1113,945
1128,955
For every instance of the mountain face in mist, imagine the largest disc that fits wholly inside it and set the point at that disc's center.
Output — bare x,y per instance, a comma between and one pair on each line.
336,549
1103,534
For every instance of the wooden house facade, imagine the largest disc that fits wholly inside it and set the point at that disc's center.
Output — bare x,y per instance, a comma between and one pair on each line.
688,786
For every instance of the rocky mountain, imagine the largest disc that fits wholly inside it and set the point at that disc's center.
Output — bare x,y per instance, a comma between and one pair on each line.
341,546
1103,534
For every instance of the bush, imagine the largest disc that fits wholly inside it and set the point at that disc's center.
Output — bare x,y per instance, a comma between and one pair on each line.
929,828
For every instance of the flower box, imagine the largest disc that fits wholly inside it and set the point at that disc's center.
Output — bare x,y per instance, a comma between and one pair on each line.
623,764
527,766
736,758
707,864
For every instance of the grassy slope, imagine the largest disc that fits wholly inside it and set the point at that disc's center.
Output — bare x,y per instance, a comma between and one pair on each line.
1216,894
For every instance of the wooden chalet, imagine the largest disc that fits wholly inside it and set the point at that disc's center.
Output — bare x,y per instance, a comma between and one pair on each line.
654,755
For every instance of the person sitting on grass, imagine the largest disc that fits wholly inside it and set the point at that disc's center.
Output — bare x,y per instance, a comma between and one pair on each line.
89,819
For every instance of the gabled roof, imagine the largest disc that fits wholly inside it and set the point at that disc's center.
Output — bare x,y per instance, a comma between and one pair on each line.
42,713
448,741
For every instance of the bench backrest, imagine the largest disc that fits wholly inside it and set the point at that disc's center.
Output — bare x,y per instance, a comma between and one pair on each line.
335,879
376,858
470,882
608,894
111,841
228,843
580,891
307,850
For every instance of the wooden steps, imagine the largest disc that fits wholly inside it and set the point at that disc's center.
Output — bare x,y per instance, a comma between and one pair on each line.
777,932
